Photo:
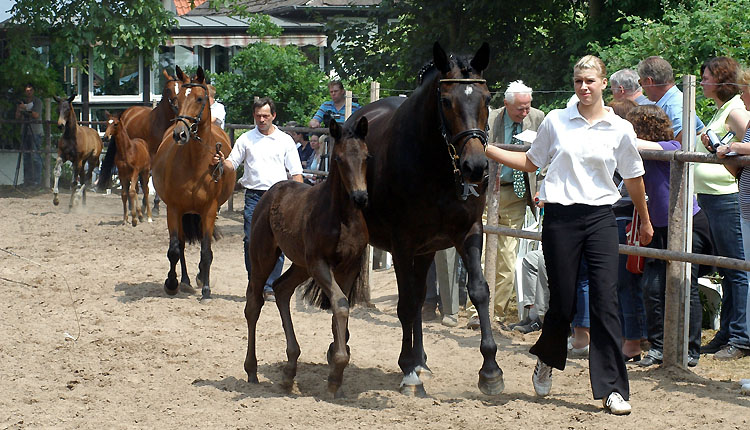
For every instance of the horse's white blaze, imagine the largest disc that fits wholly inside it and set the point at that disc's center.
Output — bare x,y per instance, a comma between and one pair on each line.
176,88
411,379
110,121
187,92
468,91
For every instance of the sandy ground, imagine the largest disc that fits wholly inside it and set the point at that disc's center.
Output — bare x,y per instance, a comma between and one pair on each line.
142,359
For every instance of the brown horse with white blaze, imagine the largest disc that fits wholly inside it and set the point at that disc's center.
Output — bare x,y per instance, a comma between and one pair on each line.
191,187
133,162
321,229
150,124
79,145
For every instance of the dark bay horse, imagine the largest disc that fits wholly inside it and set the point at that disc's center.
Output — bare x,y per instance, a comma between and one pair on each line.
192,189
322,231
133,163
79,145
426,181
142,122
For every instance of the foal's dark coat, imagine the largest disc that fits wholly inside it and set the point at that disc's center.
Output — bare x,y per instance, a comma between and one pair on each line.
322,231
415,204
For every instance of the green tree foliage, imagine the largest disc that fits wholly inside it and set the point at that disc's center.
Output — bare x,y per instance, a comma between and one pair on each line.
686,37
280,72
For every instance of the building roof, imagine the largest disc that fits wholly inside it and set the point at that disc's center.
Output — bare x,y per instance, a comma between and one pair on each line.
274,6
184,6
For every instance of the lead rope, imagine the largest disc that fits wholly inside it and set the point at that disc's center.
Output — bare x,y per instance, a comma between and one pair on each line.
219,168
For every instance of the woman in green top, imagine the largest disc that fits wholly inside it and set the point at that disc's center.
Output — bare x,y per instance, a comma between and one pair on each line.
718,197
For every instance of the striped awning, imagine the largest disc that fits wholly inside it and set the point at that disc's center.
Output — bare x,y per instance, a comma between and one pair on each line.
208,41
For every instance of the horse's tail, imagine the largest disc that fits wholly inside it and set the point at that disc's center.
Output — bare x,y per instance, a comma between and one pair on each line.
315,296
105,175
193,229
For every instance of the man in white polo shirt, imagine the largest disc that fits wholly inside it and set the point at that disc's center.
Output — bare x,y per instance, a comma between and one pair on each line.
267,153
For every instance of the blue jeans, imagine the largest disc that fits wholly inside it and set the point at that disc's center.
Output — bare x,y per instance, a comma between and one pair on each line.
630,294
724,219
32,161
581,318
251,200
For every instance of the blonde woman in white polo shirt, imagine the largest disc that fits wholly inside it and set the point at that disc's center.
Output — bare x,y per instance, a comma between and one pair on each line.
266,153
581,146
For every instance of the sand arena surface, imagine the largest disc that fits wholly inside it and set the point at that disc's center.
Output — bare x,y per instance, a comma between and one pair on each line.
147,360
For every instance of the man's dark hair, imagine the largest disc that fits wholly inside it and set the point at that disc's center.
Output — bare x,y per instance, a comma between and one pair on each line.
262,102
29,85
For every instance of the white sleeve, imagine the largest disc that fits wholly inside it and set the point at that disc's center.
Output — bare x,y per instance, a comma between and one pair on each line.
539,153
291,159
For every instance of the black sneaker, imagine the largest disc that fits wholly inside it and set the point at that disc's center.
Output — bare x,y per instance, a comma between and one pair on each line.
712,347
524,321
533,326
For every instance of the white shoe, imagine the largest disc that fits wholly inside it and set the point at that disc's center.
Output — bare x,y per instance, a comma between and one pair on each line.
450,320
616,404
542,378
745,389
577,352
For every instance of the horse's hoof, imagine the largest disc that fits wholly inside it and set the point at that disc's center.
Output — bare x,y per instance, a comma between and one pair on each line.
412,390
253,379
206,300
186,287
55,201
135,222
199,281
150,220
423,372
170,287
205,293
491,386
335,392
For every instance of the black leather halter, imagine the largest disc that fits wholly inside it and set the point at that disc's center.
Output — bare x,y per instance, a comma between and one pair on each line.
194,121
454,141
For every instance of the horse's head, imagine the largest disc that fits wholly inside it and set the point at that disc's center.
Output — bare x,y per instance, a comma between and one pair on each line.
172,87
194,109
350,155
64,109
463,106
113,124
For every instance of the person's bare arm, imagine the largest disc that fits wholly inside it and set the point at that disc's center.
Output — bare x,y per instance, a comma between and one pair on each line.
637,193
297,178
512,159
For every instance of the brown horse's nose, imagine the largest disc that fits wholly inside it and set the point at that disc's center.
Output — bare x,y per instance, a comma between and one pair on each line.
180,136
360,199
473,169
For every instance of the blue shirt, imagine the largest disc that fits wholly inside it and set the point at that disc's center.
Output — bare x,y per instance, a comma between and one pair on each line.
337,114
671,102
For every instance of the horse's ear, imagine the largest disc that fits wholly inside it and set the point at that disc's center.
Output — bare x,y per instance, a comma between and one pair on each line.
361,128
70,99
57,99
335,129
481,58
440,58
166,75
200,75
107,114
180,74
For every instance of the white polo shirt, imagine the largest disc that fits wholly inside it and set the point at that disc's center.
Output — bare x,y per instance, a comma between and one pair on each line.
582,157
266,158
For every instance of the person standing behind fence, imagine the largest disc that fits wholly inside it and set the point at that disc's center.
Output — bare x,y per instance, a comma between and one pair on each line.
336,107
581,146
515,192
267,153
718,195
625,86
218,113
653,126
657,80
30,109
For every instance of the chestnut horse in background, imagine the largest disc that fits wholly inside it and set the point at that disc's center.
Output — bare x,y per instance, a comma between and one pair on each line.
427,180
142,122
192,189
133,162
322,231
79,145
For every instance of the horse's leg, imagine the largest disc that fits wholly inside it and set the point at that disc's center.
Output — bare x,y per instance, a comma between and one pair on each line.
490,375
124,197
283,289
74,184
208,221
263,263
408,314
175,252
156,203
146,203
133,197
58,172
184,277
422,265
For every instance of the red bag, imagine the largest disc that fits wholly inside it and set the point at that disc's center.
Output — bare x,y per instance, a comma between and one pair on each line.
633,238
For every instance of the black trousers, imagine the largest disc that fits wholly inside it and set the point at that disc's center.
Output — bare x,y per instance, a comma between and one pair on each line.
569,232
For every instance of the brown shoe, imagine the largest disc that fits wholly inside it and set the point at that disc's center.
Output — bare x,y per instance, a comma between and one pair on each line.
473,322
731,352
269,296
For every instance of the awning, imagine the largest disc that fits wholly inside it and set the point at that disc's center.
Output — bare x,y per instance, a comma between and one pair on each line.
208,41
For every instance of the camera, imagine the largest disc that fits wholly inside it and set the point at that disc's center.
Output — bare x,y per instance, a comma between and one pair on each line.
716,142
